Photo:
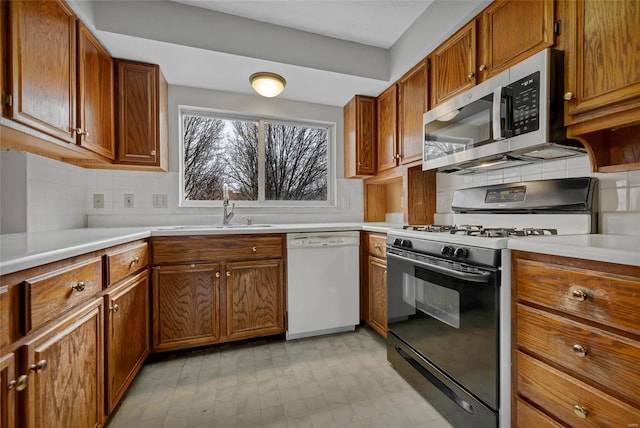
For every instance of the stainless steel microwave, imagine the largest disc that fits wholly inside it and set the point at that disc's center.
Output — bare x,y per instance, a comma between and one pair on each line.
516,117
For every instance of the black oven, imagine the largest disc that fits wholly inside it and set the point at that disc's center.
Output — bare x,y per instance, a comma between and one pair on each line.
443,327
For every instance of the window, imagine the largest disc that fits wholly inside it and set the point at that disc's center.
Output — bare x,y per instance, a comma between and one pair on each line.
263,161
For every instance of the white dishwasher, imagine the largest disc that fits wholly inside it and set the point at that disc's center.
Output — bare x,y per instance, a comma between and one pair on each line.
322,283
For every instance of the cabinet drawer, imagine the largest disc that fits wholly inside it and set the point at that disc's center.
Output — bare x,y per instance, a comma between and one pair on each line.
528,417
193,249
125,262
564,397
376,246
599,296
610,360
49,295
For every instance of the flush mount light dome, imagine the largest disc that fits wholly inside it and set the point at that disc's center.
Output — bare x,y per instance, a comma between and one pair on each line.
267,84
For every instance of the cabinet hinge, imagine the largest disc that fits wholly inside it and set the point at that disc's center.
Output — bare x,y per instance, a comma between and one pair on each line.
8,101
557,27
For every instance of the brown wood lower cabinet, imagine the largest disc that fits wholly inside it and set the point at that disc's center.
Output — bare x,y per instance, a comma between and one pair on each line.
127,335
8,389
576,347
65,366
186,305
255,299
373,287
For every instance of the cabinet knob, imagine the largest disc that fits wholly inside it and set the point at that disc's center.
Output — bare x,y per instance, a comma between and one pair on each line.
398,156
19,384
135,261
568,96
579,350
581,411
228,273
377,246
78,287
359,163
471,75
153,153
482,67
217,274
115,308
579,295
79,131
254,249
39,367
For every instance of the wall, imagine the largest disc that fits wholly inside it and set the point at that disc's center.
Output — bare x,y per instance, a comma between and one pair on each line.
40,194
617,192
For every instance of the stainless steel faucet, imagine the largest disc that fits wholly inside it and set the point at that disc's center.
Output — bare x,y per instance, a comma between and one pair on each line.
227,215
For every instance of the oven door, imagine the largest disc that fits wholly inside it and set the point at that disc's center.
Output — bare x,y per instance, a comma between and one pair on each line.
447,312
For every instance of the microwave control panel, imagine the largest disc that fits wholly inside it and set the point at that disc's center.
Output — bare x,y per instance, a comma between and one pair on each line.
526,104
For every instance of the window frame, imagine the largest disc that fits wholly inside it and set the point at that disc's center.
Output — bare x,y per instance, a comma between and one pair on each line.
330,202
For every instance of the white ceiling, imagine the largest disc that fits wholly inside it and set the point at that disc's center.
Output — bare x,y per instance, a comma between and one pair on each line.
326,50
376,23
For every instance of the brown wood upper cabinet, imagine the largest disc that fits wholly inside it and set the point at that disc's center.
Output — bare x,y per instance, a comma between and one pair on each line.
360,137
510,31
61,77
387,109
95,129
141,112
453,65
412,103
503,34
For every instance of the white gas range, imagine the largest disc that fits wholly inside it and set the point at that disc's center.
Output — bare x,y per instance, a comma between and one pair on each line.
448,292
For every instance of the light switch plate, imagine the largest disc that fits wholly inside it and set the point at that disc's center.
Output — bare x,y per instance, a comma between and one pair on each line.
128,200
98,200
160,200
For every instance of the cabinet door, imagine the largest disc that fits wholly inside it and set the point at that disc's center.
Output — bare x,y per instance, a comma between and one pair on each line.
66,380
95,95
127,335
453,65
602,59
532,23
378,295
43,66
255,299
138,110
8,389
186,301
387,103
360,137
412,103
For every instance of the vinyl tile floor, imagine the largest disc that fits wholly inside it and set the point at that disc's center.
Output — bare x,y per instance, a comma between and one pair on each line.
340,380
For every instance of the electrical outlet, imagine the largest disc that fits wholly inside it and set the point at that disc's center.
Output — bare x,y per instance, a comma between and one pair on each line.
98,200
128,200
160,200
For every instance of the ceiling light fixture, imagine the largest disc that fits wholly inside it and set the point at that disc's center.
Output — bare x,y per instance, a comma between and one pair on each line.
267,84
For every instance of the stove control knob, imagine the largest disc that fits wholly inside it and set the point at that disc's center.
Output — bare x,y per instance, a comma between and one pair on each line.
447,250
461,252
406,243
397,242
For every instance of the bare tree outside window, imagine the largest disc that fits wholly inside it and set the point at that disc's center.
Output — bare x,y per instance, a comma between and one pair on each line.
218,150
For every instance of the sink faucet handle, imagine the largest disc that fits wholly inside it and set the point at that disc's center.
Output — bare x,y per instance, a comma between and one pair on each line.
249,220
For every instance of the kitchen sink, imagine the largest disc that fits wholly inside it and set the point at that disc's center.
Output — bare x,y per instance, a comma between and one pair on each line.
218,226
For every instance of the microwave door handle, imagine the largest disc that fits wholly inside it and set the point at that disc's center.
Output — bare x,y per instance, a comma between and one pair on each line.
482,277
498,133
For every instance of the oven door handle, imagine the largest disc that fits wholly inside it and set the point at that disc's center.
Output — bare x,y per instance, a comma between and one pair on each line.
481,277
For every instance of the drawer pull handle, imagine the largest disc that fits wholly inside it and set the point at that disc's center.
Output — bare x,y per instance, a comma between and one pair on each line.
254,249
39,367
579,350
377,246
579,295
134,261
78,287
581,411
115,308
228,273
19,384
217,274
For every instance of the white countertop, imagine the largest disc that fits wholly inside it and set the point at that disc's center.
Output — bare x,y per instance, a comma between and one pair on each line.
20,251
623,249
